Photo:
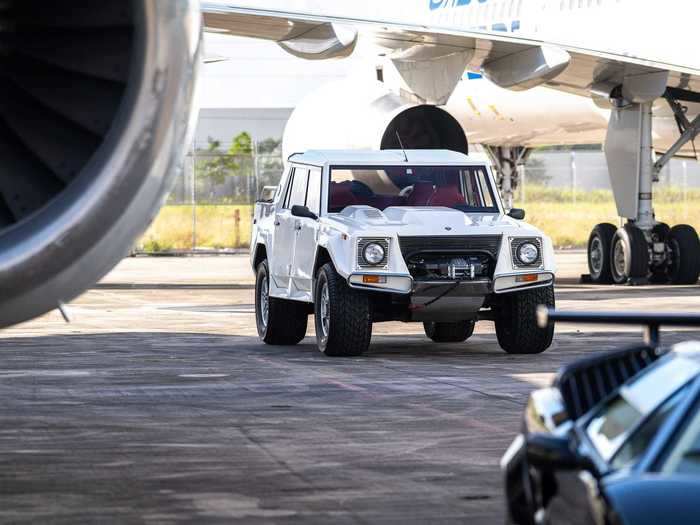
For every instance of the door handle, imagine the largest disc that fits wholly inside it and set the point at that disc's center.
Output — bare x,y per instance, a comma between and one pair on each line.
297,226
277,223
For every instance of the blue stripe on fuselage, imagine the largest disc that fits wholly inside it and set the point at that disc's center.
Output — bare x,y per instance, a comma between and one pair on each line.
442,4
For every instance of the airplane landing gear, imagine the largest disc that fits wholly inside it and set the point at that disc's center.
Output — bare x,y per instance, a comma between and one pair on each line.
631,255
643,250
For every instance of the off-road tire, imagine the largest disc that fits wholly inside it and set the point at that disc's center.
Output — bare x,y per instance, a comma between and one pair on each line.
636,248
449,332
685,246
350,316
516,321
287,320
603,234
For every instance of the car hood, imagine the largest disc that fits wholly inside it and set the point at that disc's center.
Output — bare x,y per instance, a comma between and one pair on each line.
408,221
653,499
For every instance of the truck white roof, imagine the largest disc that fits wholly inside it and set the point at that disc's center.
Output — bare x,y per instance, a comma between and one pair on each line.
431,157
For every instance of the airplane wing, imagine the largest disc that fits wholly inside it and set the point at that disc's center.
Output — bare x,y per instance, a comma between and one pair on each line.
507,60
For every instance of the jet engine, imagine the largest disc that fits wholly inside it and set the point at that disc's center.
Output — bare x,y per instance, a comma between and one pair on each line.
94,113
368,115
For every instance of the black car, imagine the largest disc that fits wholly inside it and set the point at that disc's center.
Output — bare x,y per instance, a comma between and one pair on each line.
616,439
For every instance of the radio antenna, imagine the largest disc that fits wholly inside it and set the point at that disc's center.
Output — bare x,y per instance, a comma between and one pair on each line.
402,148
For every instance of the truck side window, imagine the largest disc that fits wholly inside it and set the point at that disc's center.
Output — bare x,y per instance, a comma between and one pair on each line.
297,195
313,193
288,189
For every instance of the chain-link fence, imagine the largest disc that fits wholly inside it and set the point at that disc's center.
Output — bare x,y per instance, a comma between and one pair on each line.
565,192
211,204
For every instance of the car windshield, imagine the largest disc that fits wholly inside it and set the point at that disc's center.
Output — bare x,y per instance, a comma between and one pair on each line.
636,401
462,188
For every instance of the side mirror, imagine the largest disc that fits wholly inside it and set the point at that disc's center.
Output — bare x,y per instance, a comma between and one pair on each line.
517,214
551,452
303,212
267,194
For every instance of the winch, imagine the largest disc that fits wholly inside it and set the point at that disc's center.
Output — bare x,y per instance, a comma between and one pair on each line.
448,267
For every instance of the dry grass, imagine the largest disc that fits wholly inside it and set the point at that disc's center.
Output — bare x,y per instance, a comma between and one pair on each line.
569,224
552,210
216,228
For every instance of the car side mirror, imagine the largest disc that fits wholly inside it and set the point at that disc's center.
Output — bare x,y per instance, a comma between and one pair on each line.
517,214
550,452
303,212
267,195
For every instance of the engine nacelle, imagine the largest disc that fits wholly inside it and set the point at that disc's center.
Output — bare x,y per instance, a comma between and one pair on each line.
367,115
94,114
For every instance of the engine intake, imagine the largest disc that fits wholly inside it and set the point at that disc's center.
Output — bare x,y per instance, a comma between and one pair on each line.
368,115
94,108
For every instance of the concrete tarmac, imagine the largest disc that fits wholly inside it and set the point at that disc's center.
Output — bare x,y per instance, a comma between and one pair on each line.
158,404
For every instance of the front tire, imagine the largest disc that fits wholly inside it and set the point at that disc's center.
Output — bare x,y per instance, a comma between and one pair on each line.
279,321
685,247
629,255
449,332
343,316
516,321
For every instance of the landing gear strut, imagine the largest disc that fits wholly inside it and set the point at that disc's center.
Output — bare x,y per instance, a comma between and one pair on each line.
510,164
643,250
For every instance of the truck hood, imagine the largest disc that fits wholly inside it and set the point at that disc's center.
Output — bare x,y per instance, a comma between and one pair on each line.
408,221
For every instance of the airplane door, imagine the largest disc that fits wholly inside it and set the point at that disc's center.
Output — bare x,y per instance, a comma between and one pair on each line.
306,234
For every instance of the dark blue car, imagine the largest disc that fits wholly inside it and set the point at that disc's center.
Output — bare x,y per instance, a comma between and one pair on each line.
615,440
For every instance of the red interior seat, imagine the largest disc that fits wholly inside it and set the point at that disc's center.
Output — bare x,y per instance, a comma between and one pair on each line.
421,194
448,196
341,196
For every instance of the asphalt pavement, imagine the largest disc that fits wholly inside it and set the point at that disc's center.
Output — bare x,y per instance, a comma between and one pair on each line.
158,404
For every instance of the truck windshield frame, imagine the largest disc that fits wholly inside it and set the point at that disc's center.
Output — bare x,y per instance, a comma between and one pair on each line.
464,188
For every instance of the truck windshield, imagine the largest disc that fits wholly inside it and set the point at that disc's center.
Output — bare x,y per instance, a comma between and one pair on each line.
462,188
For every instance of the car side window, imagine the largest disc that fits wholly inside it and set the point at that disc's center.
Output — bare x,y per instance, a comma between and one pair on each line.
288,190
313,192
635,446
297,196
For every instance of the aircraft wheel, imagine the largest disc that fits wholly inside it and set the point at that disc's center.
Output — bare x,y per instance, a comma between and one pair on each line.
659,274
685,249
629,254
599,244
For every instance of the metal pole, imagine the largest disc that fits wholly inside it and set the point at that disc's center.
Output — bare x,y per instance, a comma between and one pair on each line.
194,198
573,176
685,189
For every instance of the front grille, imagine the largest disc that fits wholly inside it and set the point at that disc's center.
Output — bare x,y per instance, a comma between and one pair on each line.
361,263
487,244
587,382
516,243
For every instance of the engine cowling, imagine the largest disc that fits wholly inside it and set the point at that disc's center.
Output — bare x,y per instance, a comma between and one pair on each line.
94,113
368,115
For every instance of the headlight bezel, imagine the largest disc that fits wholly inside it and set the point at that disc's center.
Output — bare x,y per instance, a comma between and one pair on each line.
364,243
518,260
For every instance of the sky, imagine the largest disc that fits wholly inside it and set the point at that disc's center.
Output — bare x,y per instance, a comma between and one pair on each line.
260,74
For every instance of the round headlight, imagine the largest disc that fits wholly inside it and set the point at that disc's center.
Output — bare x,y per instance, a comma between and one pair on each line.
373,253
527,253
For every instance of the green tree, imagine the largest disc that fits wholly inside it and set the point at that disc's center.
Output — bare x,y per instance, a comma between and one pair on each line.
216,164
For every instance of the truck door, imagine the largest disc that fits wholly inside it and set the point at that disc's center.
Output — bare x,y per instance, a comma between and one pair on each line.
284,233
306,234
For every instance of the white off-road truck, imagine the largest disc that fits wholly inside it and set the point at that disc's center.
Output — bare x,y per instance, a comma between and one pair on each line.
359,237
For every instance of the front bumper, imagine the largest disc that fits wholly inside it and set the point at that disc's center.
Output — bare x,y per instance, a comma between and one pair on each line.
448,301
